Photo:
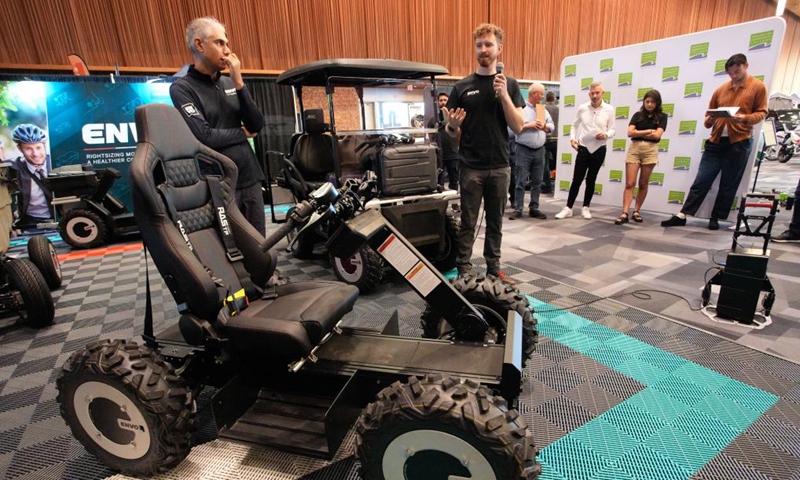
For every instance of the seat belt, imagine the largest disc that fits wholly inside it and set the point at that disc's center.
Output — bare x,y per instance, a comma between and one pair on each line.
235,301
233,252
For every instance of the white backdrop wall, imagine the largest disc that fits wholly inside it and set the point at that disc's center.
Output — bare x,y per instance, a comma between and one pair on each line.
685,70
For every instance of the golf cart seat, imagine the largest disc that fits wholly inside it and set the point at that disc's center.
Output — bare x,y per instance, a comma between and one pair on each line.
312,159
204,248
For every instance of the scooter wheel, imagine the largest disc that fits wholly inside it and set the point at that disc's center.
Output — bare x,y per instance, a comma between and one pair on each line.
83,229
37,306
443,428
127,407
364,269
43,255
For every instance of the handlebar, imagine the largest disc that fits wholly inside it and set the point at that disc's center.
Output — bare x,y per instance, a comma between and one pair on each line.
300,213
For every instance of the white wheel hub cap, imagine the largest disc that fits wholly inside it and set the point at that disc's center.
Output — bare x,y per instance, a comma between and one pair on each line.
82,230
351,269
135,424
409,443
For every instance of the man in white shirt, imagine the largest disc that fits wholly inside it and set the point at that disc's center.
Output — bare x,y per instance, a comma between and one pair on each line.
530,153
593,126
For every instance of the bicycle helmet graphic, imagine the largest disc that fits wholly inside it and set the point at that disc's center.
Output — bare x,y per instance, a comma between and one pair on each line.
27,133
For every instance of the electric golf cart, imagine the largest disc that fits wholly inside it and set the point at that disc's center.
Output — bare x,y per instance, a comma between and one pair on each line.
289,374
25,284
88,214
405,163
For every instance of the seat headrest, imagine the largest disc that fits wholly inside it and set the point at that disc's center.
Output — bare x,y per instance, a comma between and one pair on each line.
314,121
162,126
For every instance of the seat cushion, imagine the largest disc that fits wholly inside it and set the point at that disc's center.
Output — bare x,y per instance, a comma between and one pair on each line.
292,324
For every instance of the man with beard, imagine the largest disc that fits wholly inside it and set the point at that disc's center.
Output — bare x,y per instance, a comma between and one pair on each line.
220,111
481,108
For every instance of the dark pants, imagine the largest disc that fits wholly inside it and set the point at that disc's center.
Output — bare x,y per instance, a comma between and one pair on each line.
250,201
727,159
512,162
794,226
587,165
530,163
551,150
451,166
491,186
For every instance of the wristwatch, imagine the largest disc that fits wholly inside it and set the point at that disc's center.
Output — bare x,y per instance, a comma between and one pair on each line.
451,129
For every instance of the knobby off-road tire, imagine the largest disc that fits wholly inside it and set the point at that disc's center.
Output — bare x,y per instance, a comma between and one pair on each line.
445,260
436,427
127,407
82,229
37,309
363,270
43,255
496,295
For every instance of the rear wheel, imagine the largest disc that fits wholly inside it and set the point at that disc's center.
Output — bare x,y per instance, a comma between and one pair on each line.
127,407
445,260
496,298
441,428
82,229
784,155
364,269
43,255
771,153
37,303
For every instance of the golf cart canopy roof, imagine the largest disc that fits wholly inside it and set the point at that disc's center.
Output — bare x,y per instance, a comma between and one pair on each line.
358,72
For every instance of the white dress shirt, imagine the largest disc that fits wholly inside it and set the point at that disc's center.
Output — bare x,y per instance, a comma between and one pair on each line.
590,121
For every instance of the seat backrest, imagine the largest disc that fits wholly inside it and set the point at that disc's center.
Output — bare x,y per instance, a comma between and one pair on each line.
172,202
313,152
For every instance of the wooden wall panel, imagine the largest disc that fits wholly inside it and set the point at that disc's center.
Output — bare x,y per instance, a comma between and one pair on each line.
272,35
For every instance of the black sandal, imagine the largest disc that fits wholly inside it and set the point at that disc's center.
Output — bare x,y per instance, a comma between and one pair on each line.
636,217
622,219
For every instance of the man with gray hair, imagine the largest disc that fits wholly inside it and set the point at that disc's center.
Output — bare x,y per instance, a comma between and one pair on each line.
593,126
220,111
530,152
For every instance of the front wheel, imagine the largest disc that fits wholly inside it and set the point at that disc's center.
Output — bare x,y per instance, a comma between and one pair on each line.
43,255
364,269
127,407
37,306
440,428
784,155
494,297
771,153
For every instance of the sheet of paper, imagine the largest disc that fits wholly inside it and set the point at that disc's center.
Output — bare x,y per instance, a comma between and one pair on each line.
591,142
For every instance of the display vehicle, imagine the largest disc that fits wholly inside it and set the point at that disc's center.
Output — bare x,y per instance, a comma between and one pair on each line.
403,159
289,373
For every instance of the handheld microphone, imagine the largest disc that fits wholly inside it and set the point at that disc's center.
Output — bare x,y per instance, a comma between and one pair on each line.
500,68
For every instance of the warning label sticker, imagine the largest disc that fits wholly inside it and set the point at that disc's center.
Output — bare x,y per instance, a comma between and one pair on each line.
422,278
397,254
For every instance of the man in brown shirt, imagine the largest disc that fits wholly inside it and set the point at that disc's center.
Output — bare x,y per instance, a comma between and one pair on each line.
728,148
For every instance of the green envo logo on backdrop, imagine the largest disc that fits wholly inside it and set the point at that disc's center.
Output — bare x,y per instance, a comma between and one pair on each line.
598,189
682,163
703,145
668,109
566,130
618,145
657,178
566,158
761,40
625,79
698,51
563,185
719,67
663,145
649,59
623,112
607,65
607,96
570,70
670,74
615,176
640,93
687,127
569,101
693,90
676,196
585,82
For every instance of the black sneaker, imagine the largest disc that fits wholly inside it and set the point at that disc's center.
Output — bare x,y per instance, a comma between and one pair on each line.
517,214
675,221
786,237
713,224
537,214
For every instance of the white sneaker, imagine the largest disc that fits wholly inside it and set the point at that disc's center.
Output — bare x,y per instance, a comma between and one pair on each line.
565,213
585,213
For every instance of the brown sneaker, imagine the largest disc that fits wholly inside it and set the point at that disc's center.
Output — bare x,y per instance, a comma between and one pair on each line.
505,278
